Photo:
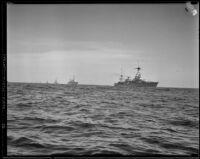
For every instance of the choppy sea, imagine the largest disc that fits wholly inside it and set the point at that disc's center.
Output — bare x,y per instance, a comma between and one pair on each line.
53,119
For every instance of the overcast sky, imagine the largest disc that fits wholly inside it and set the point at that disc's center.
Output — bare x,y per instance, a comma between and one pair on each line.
93,42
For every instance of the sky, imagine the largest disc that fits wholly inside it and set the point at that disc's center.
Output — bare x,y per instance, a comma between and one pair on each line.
94,42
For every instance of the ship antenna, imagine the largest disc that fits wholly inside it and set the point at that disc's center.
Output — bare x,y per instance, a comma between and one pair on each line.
138,68
138,75
121,70
121,76
55,81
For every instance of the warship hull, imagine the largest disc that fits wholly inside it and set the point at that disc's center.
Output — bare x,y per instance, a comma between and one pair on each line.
136,85
72,83
137,82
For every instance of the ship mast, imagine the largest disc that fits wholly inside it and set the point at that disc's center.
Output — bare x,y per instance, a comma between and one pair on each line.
55,82
138,75
121,76
73,77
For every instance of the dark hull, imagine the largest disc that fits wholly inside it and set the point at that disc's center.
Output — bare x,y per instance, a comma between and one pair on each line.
137,84
72,83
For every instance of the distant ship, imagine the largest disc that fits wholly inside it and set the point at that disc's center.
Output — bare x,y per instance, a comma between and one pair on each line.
136,82
55,82
72,82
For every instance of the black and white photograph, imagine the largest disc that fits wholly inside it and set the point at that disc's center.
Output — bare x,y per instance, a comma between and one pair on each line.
103,79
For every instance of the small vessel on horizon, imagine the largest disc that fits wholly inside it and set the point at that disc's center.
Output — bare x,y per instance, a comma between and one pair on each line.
55,82
72,82
136,82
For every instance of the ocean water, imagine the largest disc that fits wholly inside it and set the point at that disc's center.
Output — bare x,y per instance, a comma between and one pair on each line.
49,119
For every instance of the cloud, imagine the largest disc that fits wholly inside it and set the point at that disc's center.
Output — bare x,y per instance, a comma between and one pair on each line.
83,52
43,47
48,45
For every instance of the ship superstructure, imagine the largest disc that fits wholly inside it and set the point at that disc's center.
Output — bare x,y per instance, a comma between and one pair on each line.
135,82
56,82
72,82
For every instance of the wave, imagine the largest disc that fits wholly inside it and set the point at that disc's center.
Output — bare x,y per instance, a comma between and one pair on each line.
94,153
169,145
23,105
39,119
91,120
184,122
24,142
57,128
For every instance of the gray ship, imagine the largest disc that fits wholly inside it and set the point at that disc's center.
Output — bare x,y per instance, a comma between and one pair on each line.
136,82
72,82
55,82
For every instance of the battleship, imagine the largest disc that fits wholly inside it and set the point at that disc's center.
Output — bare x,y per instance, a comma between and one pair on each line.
72,82
136,82
55,82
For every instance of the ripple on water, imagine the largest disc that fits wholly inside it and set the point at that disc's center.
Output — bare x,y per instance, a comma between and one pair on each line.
91,120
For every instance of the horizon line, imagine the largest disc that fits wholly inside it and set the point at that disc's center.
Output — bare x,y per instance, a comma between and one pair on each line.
98,84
